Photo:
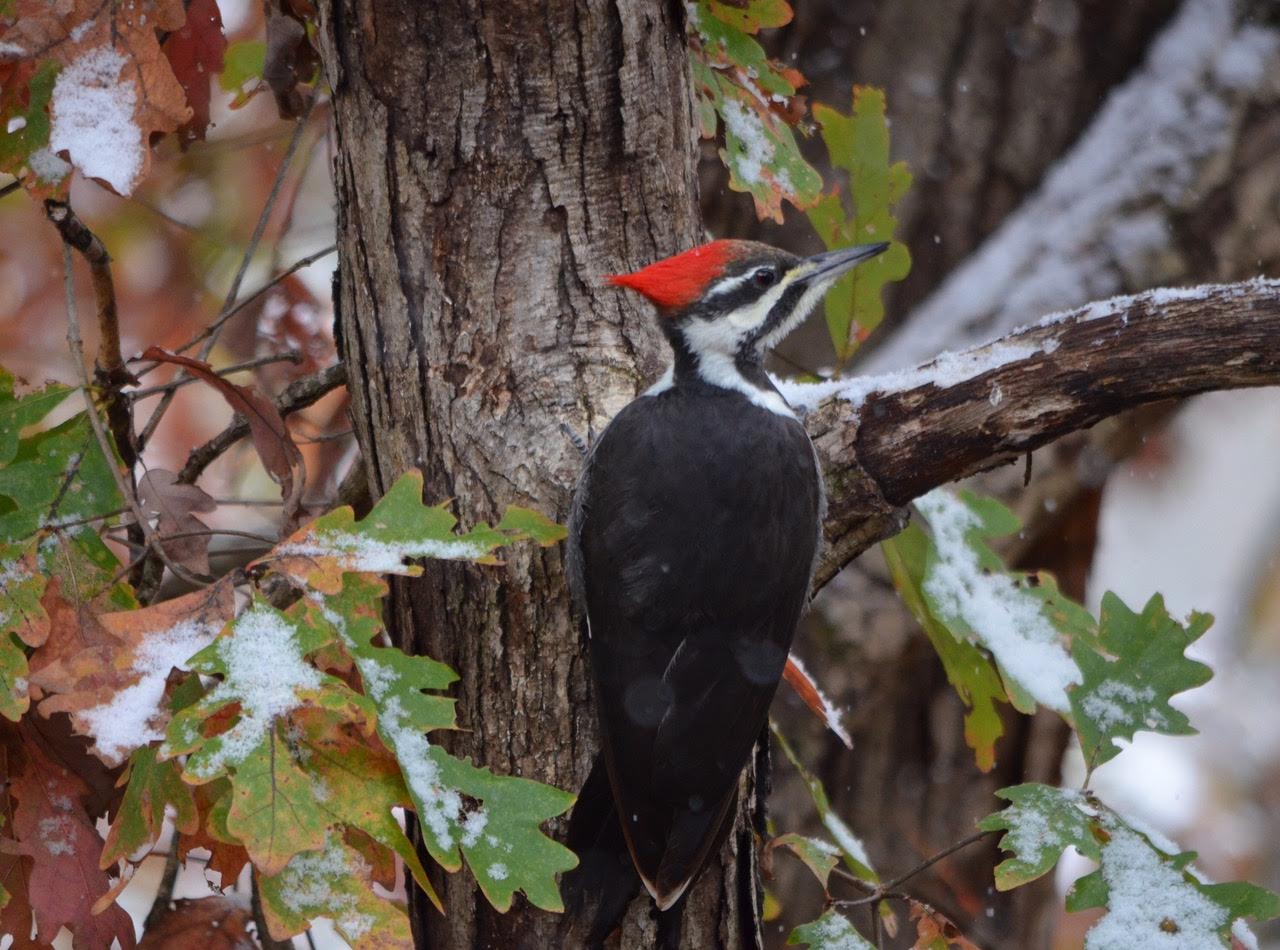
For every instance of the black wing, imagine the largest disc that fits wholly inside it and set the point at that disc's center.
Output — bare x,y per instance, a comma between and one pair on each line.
691,548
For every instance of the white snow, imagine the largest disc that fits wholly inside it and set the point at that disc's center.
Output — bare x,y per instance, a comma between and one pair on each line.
1151,905
836,933
93,110
47,167
265,671
744,125
362,554
16,124
308,886
948,369
846,839
134,716
498,871
1006,619
1075,239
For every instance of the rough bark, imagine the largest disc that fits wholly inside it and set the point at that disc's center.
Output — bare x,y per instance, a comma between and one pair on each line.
494,162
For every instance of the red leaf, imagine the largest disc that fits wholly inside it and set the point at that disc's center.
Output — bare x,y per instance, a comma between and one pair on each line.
271,437
195,53
54,830
212,923
800,680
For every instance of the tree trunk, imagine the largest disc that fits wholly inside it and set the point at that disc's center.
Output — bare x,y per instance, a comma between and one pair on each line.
494,162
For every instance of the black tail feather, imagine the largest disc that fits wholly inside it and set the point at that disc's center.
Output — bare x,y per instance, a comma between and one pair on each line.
596,893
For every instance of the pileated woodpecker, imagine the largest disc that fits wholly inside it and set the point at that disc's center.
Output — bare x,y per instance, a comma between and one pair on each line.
692,540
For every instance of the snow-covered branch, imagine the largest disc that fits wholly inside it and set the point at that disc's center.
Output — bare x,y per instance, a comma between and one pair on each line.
885,440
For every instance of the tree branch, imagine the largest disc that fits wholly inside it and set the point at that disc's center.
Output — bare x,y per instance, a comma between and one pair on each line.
887,440
297,395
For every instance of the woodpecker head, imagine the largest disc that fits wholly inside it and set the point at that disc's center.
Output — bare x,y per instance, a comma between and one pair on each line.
736,299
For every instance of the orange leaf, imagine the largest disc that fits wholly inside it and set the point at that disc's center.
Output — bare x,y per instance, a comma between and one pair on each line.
935,932
799,679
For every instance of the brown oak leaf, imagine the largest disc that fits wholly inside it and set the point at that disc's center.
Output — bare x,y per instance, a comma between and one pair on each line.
226,857
114,687
211,923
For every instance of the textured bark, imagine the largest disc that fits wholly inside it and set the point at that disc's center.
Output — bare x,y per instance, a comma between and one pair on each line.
494,162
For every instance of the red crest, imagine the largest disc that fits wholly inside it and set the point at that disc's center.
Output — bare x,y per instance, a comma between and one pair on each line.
675,282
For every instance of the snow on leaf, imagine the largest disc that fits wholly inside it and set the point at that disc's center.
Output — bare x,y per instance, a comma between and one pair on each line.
806,688
968,669
818,856
333,881
115,687
831,931
1153,897
1039,824
398,528
854,852
492,819
115,88
858,144
1130,690
54,830
25,90
1022,625
754,99
265,676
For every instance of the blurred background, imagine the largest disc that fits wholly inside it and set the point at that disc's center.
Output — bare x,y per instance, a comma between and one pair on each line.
1063,150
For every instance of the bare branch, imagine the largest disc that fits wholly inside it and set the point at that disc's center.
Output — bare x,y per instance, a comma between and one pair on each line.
289,356
905,435
298,395
76,346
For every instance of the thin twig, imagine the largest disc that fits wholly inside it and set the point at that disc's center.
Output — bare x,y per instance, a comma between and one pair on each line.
11,187
76,346
890,889
298,395
206,533
292,356
211,338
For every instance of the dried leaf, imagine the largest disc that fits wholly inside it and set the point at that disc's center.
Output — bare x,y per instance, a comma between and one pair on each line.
227,857
53,829
271,437
935,932
173,504
195,52
211,923
290,59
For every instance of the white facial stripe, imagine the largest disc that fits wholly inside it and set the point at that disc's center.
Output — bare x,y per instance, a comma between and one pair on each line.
804,306
728,284
756,312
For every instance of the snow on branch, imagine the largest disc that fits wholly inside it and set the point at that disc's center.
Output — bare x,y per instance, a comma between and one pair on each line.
1102,217
884,441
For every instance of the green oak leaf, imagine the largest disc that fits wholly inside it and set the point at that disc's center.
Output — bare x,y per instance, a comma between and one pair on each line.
1129,688
19,412
858,144
152,786
750,16
491,820
53,477
968,668
1039,824
398,528
831,931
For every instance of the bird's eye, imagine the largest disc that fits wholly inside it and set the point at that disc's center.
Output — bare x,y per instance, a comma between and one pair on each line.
765,277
